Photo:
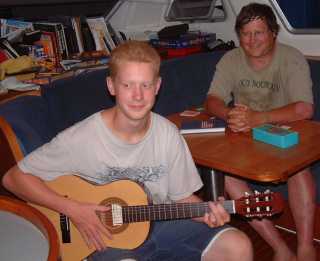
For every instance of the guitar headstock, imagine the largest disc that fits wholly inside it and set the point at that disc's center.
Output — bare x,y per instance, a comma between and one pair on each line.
260,205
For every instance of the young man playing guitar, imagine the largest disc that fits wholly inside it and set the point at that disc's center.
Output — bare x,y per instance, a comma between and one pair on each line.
129,141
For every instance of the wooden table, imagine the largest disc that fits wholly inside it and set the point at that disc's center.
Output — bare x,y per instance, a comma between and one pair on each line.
238,154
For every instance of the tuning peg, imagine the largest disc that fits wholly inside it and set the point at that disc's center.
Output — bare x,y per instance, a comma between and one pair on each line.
267,198
256,192
246,198
267,193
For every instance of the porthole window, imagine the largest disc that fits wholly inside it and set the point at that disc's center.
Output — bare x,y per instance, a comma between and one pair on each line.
195,10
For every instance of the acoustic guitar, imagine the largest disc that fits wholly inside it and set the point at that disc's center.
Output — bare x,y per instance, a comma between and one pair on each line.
130,214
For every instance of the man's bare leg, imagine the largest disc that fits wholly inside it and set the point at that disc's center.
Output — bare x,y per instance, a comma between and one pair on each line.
236,188
302,193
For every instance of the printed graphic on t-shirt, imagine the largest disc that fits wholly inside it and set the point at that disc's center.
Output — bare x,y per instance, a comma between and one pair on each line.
258,95
138,174
253,84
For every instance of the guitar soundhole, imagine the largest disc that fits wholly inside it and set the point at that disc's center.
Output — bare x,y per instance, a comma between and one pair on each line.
106,217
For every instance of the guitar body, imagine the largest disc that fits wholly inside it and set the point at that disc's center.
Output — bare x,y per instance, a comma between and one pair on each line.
123,192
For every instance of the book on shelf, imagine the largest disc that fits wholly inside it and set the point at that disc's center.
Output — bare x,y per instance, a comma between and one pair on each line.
87,37
179,52
115,35
3,55
49,42
8,48
77,33
76,25
58,29
188,40
202,126
69,32
11,28
84,63
100,33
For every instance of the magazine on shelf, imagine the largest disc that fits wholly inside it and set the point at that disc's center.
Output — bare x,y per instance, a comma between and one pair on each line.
49,42
76,25
7,47
58,29
101,34
11,28
188,40
202,126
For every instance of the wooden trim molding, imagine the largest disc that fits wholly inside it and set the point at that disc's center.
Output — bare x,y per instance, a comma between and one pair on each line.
9,150
11,138
14,94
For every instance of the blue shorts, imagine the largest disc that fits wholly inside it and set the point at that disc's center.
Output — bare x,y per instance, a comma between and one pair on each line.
168,241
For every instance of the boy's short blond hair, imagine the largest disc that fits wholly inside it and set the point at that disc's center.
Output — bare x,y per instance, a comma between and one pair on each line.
133,51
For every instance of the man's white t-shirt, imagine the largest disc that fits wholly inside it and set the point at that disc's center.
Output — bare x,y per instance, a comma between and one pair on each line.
161,160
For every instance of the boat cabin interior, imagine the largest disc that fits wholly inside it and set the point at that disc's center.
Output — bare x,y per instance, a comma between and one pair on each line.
187,70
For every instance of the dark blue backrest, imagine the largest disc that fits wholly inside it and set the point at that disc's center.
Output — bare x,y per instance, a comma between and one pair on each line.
315,75
28,116
185,82
73,99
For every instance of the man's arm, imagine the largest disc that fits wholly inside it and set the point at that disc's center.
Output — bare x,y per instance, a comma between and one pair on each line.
217,107
33,189
291,112
218,216
242,118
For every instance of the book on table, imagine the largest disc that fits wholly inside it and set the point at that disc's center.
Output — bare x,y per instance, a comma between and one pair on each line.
202,126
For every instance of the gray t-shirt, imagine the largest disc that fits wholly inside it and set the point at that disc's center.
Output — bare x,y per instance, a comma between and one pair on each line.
286,80
161,160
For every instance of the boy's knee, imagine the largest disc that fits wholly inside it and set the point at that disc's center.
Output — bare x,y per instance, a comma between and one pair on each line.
230,245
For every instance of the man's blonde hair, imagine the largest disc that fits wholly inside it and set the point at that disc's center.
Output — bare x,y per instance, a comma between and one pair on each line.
133,51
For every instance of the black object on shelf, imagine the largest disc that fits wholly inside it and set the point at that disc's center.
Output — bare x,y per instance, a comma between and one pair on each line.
173,32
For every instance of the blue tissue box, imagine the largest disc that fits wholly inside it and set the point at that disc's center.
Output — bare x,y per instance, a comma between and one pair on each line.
275,135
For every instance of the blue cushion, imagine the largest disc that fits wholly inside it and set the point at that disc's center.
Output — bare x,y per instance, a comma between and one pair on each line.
73,99
315,75
185,82
27,115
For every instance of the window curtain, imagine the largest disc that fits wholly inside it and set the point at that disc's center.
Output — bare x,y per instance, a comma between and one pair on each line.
302,13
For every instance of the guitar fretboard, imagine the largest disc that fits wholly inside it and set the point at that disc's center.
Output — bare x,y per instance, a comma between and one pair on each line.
142,213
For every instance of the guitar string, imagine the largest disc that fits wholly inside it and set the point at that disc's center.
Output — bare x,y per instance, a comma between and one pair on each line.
147,212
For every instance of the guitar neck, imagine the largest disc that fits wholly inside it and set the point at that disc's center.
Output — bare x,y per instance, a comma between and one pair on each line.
143,213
